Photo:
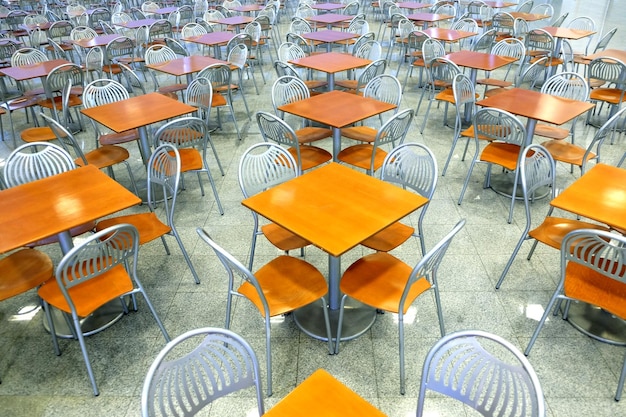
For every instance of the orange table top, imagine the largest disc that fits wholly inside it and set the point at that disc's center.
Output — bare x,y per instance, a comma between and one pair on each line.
536,105
323,395
234,20
428,17
329,18
210,39
566,33
479,60
33,71
600,195
529,17
39,209
134,24
448,35
329,35
137,111
331,62
186,65
100,40
611,53
335,207
328,6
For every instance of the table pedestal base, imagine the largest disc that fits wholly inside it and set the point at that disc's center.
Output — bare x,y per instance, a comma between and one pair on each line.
357,319
104,317
503,185
597,323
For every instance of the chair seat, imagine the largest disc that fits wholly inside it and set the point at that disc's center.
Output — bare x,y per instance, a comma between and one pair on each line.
446,95
553,229
311,156
311,134
550,131
37,134
90,295
494,82
104,156
360,133
389,238
315,84
361,156
218,100
379,280
23,270
288,283
148,225
566,152
585,284
282,238
117,138
57,102
172,88
347,84
500,153
469,133
610,95
22,102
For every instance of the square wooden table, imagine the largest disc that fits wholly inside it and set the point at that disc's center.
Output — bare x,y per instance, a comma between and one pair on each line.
448,35
337,109
329,19
134,24
331,63
323,395
536,106
329,36
326,207
137,113
100,40
186,65
428,18
600,195
28,72
214,39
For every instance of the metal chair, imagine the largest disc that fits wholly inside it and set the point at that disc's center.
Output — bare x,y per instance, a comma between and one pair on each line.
261,167
363,76
191,137
483,371
506,135
583,23
239,55
211,362
54,84
274,129
370,156
100,269
592,265
512,48
286,69
159,54
410,166
525,7
385,282
538,171
271,290
612,74
164,171
441,72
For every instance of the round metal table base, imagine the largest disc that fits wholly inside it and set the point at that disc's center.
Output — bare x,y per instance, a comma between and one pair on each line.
503,185
357,319
104,317
597,323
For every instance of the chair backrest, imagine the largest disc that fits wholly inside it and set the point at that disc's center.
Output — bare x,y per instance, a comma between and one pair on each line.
120,47
65,137
498,380
525,7
513,48
351,8
176,46
442,72
559,20
539,40
369,72
60,30
238,55
361,40
604,41
83,32
164,170
392,133
199,93
103,91
485,41
97,15
300,41
568,85
359,26
284,68
57,79
132,80
384,87
274,129
158,54
503,23
253,29
520,28
34,161
7,48
288,51
265,165
412,166
537,172
27,56
184,132
370,49
609,128
532,75
288,89
192,29
299,26
200,7
210,362
543,8
431,49
219,74
607,69
466,24
499,125
464,95
35,19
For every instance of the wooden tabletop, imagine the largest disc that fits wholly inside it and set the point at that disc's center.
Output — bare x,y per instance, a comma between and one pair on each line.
611,53
328,6
39,209
134,24
247,8
137,111
479,60
337,108
329,18
529,17
567,33
335,207
323,395
165,10
428,17
100,40
186,65
448,35
413,5
331,62
329,36
600,195
536,105
33,71
211,39
234,20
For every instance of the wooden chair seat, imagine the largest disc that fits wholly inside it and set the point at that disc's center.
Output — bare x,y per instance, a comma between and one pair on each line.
389,238
311,134
361,156
553,229
311,156
218,100
347,84
148,225
117,138
57,102
37,134
282,238
566,152
23,102
91,295
494,82
168,89
360,133
550,131
315,84
104,156
386,278
298,283
587,285
609,95
500,153
22,271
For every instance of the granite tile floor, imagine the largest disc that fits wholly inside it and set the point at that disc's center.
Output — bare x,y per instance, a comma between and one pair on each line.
578,374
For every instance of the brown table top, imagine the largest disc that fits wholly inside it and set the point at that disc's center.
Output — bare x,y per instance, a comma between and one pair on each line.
600,195
536,105
331,62
186,65
137,111
33,71
100,40
246,8
328,6
611,53
134,24
326,206
529,17
428,17
234,20
566,33
413,5
329,18
448,35
42,26
329,36
42,208
323,395
211,39
479,60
